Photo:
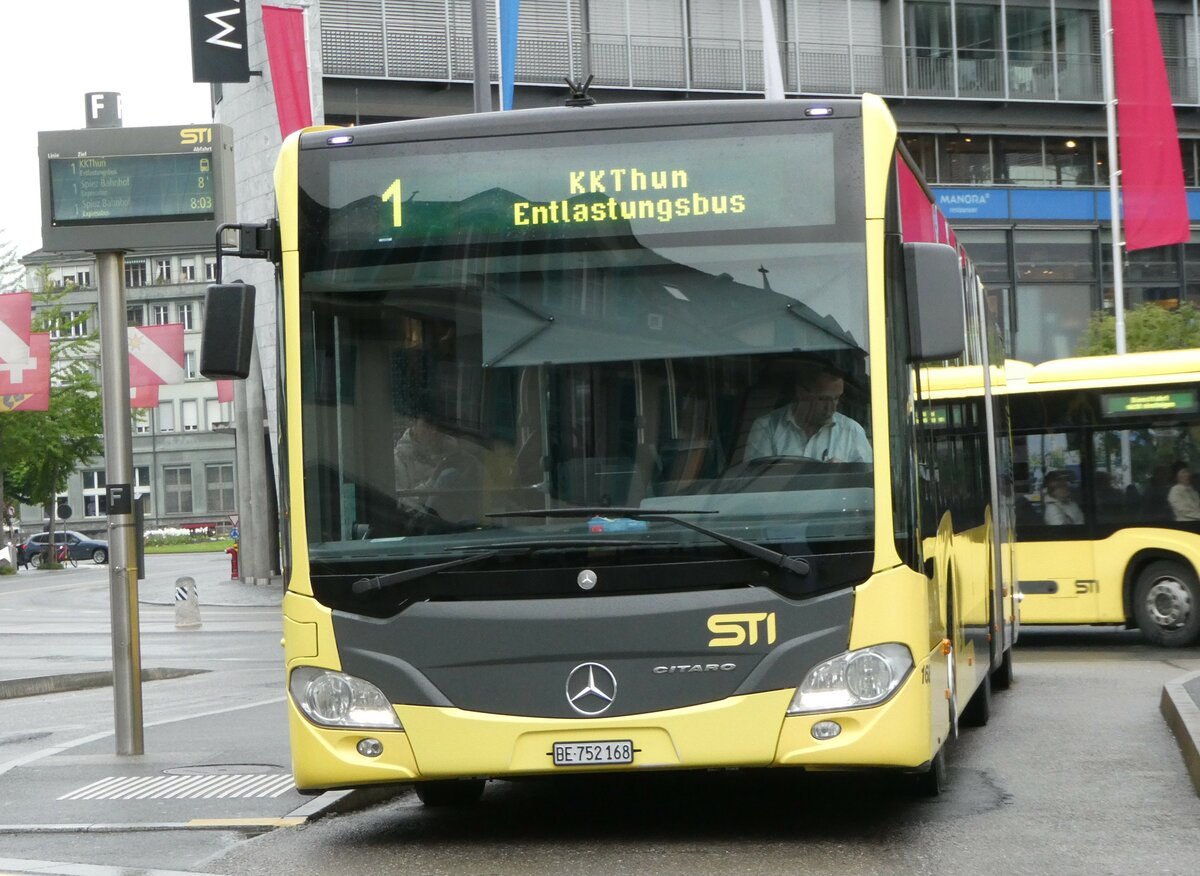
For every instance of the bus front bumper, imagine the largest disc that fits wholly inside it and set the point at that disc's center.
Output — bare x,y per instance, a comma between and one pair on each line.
746,731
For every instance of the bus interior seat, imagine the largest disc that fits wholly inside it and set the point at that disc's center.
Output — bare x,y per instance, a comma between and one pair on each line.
760,399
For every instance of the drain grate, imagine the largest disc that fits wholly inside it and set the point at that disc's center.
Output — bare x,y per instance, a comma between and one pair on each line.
194,787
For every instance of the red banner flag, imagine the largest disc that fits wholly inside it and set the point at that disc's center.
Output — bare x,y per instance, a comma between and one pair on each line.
16,317
156,354
287,55
1154,201
224,391
143,396
28,389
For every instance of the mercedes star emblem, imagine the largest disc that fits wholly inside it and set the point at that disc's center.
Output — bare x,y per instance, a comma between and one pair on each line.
591,688
586,579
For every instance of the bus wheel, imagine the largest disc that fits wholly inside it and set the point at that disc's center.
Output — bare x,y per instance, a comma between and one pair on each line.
979,707
932,782
450,792
1002,677
1166,604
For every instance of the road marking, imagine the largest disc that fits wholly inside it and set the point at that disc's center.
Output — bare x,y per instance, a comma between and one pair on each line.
227,787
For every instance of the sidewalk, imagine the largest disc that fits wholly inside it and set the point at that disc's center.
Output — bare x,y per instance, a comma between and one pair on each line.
216,755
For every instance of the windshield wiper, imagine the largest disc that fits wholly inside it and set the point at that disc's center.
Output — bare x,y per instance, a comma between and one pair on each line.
379,582
775,558
405,576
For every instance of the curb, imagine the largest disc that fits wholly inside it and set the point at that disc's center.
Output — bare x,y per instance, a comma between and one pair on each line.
45,684
1182,714
350,800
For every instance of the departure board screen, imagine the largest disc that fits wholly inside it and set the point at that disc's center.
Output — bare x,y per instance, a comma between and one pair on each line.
90,190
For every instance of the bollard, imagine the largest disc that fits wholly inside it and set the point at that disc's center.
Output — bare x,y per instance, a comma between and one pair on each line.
187,604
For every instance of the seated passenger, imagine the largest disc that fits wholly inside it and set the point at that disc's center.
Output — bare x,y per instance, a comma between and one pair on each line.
810,425
1182,497
1057,506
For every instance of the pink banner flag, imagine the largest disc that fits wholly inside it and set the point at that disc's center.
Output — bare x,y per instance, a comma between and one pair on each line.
143,396
283,30
31,390
1154,201
224,391
917,216
16,317
156,354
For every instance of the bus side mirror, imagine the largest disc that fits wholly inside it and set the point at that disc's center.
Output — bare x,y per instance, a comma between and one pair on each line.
228,331
934,282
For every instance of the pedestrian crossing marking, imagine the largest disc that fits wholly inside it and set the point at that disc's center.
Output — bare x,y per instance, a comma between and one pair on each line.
202,787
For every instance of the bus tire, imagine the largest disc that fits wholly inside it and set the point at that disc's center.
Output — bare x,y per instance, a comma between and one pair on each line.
979,708
450,792
1002,676
932,781
1166,604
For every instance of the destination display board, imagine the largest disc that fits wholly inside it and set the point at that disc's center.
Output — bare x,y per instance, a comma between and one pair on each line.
116,188
1150,401
652,186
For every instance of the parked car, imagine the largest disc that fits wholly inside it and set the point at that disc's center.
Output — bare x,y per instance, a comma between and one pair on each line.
79,545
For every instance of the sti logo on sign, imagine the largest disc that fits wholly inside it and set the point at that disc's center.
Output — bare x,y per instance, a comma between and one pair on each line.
219,41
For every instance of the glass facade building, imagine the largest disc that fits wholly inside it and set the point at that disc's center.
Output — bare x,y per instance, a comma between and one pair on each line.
999,101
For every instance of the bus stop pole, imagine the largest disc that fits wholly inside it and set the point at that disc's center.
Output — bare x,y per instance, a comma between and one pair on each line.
118,452
479,47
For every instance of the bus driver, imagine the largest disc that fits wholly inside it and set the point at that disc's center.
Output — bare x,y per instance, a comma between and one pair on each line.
811,425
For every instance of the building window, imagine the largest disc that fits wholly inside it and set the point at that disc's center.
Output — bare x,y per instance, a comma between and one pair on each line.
135,314
162,270
141,486
219,480
1018,161
189,412
216,413
210,270
95,498
160,314
166,416
185,316
965,160
177,489
70,324
135,274
187,272
189,365
141,421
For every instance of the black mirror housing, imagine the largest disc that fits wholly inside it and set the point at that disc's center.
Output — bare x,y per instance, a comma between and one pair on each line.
228,334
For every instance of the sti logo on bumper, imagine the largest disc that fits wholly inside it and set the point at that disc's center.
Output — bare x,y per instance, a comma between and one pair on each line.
737,629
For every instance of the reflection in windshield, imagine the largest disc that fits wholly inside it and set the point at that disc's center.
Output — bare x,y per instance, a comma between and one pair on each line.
437,398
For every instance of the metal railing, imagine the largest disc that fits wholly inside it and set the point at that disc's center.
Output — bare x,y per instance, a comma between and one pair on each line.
624,60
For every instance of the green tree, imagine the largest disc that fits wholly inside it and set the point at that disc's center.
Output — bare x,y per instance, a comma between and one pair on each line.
42,448
1147,327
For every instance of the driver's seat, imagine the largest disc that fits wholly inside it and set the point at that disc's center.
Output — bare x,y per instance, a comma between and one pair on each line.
760,399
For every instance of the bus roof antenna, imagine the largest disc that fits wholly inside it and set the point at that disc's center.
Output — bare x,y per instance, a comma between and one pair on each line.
579,92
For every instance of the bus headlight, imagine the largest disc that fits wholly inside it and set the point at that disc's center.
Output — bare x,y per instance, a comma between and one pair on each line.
334,699
853,679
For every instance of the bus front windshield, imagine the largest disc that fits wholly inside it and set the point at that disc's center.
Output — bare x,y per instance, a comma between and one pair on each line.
671,322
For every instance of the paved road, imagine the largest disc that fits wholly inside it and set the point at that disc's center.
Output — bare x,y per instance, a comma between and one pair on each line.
1076,774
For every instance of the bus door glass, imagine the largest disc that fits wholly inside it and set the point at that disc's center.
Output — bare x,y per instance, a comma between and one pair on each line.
1053,529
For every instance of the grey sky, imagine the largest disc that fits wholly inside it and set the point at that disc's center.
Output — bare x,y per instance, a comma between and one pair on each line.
62,49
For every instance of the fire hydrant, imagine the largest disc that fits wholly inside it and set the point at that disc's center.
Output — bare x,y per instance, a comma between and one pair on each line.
233,562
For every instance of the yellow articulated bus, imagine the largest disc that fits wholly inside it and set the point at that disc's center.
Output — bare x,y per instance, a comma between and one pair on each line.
604,449
1108,522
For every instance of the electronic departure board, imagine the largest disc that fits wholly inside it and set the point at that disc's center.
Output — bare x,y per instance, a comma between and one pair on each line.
125,187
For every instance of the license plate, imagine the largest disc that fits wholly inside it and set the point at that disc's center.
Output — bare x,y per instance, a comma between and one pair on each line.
613,751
